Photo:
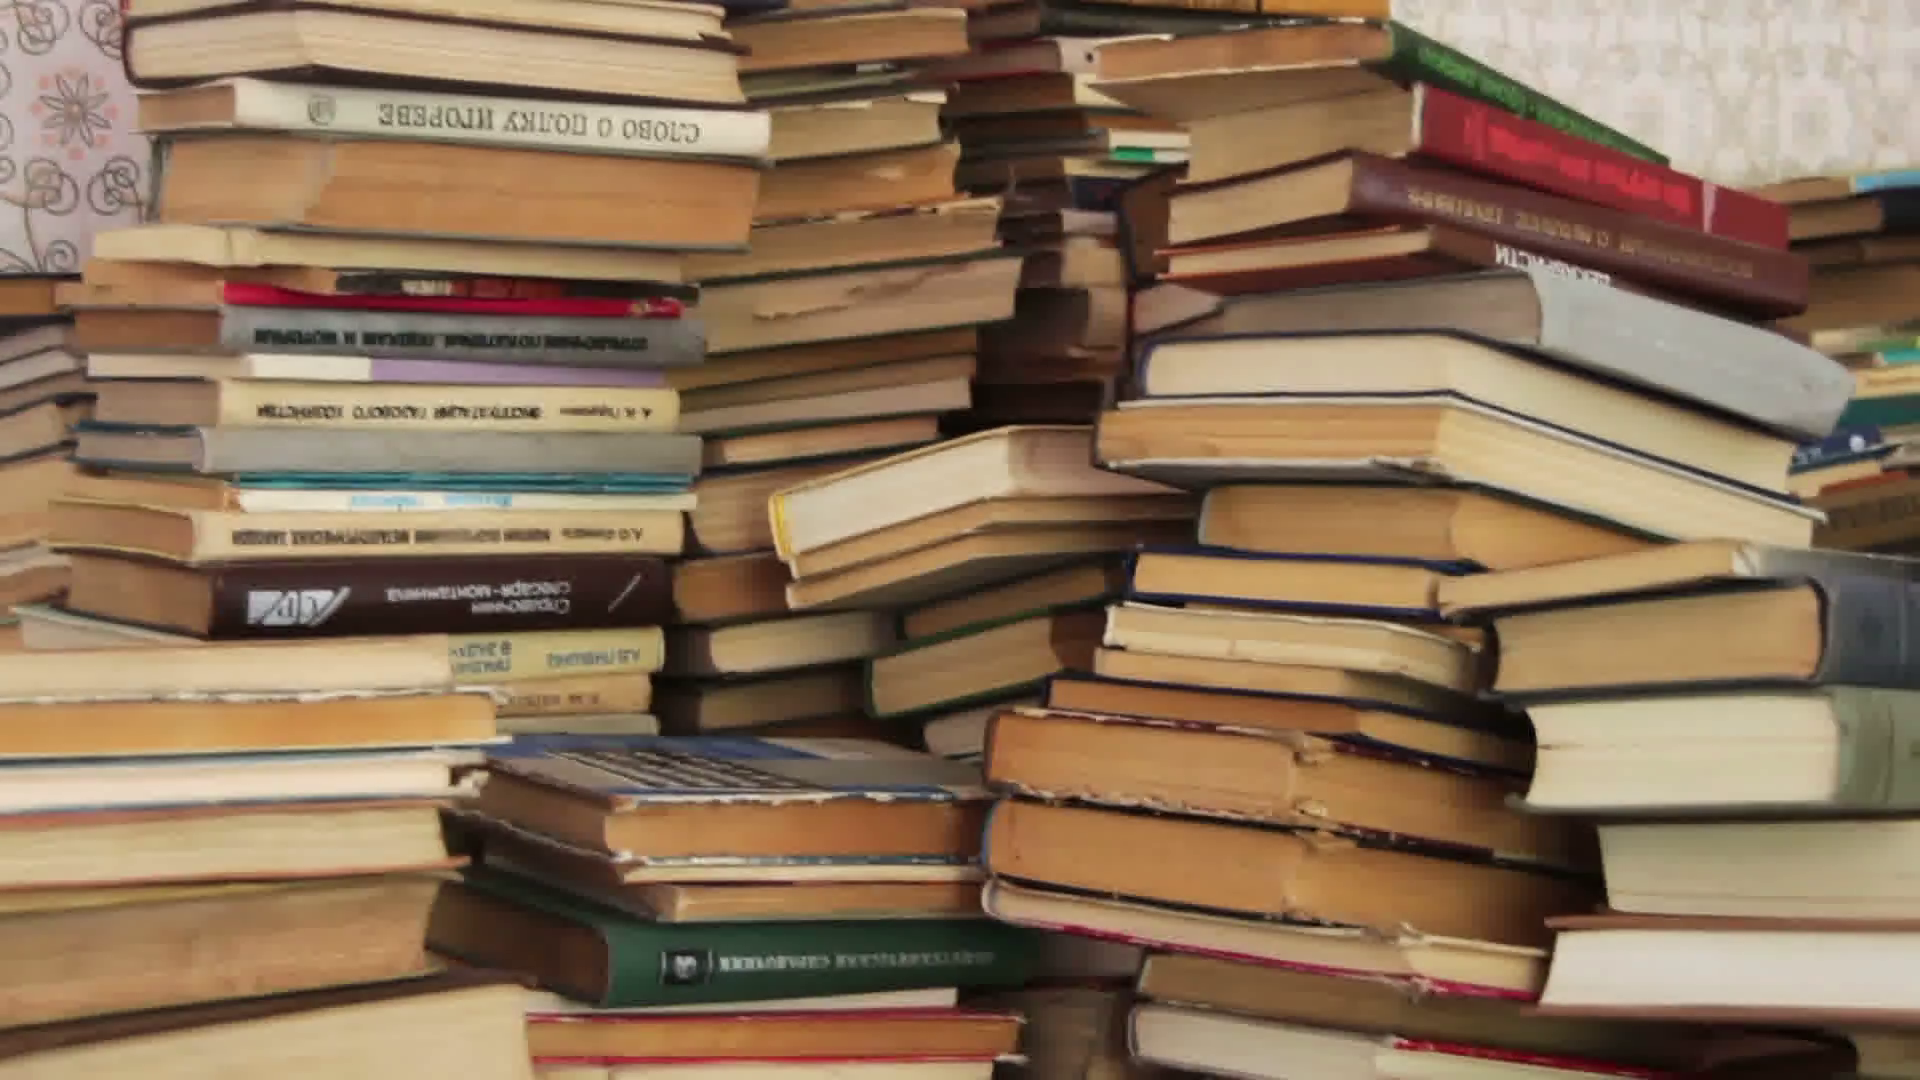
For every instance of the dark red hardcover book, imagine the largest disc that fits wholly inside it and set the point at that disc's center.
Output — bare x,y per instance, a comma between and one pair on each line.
1476,136
248,294
344,597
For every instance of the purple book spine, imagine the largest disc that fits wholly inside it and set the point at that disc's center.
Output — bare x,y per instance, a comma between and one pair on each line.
468,373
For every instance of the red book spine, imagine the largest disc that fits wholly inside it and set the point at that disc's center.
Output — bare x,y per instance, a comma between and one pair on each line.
243,294
1474,135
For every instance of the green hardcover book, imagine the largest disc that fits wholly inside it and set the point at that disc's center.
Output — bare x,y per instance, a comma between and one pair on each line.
1416,57
598,954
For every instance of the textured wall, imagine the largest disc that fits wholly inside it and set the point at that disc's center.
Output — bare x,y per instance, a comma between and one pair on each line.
1742,90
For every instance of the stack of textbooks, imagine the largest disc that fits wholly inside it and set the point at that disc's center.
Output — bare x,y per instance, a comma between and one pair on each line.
43,394
338,407
1426,354
224,860
798,908
977,539
1734,714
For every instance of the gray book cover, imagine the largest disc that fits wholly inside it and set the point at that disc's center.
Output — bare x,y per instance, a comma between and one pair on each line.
571,341
318,450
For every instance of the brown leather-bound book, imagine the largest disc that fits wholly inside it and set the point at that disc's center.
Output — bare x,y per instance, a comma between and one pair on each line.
1356,189
335,597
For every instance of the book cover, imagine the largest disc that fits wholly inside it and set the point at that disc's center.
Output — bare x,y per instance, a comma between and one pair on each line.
593,341
1429,614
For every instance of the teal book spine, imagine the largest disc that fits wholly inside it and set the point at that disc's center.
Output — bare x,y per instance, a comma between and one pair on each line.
1418,58
654,963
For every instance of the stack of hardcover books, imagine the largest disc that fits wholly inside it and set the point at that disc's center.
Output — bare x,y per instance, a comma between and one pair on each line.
1745,704
803,908
356,405
43,394
977,539
1445,326
225,859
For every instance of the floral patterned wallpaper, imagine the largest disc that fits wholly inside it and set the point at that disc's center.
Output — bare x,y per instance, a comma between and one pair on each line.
1741,90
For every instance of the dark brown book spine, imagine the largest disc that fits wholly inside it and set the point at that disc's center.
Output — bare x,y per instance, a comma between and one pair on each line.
1747,277
338,597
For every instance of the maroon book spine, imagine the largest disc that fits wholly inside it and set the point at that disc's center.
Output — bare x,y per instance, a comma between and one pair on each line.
336,597
1474,135
1746,278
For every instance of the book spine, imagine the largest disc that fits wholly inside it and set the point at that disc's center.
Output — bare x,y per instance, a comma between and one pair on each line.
266,500
250,294
574,696
692,963
1418,58
1474,135
523,656
1879,766
583,342
223,535
493,121
1845,444
1872,629
1758,280
388,596
367,406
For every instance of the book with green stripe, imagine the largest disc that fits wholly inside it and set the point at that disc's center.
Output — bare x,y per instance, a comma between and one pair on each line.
1190,78
612,959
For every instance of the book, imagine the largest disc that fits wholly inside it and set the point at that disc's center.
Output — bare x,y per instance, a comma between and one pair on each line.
857,126
849,1034
773,702
258,105
894,234
809,190
305,367
1269,992
645,51
374,595
1031,461
975,665
1202,1040
267,937
1848,971
779,644
479,192
581,341
1453,526
226,245
924,294
369,406
718,801
197,537
1682,353
283,494
1362,187
729,588
1279,438
1427,122
1514,382
1272,778
1218,867
1778,750
1332,584
1009,22
1303,60
626,961
403,456
1734,869
474,1022
1079,583
786,40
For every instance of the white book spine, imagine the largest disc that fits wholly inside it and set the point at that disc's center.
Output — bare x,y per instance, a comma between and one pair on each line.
301,500
541,125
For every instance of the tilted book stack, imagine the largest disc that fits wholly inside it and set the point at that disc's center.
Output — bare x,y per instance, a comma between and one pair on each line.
841,335
804,909
1740,719
43,394
1436,325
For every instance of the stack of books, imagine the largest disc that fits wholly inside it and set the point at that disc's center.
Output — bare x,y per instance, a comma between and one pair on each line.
43,394
224,859
1538,352
977,539
800,908
1745,704
335,407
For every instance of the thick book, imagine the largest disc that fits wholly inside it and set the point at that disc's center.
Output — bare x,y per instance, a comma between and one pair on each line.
1441,126
584,127
378,595
613,959
1306,59
572,341
1359,188
1764,378
574,456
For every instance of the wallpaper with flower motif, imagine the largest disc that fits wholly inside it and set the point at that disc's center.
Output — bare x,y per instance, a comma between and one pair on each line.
1740,90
